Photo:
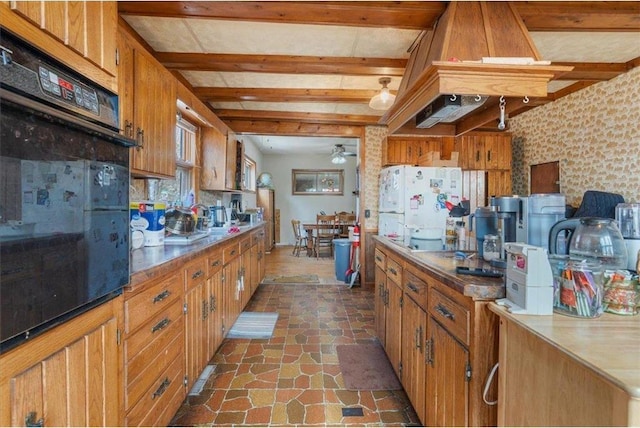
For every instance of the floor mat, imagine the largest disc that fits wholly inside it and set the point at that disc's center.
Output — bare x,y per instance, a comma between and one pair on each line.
295,279
366,367
253,325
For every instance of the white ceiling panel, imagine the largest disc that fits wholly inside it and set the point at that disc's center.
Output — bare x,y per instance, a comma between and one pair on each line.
587,47
165,34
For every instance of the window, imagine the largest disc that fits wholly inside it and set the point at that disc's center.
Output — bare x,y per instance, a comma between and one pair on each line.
176,192
249,174
317,182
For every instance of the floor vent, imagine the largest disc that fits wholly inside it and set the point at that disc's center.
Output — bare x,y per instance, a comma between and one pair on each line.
199,385
352,411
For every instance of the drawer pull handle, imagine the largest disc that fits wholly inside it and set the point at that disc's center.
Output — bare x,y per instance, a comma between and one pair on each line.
393,271
233,252
378,258
386,297
445,312
216,263
162,324
412,287
419,338
160,297
161,389
212,303
197,274
30,420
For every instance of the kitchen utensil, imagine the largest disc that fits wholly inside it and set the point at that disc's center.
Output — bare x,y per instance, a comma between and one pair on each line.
592,238
180,221
218,216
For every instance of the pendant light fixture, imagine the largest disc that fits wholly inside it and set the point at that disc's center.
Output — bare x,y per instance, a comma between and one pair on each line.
383,99
337,155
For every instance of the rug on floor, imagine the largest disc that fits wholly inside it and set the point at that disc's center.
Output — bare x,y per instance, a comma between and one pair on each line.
366,367
253,325
292,279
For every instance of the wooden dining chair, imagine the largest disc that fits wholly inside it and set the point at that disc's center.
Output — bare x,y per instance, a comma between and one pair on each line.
301,240
325,234
344,221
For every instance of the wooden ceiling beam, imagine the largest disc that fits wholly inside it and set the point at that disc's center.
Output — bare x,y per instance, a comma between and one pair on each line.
403,15
294,128
208,94
579,15
598,71
288,116
287,64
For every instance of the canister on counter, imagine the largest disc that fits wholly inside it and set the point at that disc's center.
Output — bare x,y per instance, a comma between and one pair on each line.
580,289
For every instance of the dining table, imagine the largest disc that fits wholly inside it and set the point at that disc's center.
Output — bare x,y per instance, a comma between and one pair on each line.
309,226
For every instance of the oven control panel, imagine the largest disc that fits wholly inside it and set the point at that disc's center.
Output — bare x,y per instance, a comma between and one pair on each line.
56,84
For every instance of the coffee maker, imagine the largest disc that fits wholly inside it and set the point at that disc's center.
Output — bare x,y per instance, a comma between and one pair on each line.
628,219
512,221
542,211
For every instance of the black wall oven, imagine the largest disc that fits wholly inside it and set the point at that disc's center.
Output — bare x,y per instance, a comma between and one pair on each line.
64,193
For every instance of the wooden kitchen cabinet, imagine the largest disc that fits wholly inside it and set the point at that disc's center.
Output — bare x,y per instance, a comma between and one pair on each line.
215,333
245,271
381,294
154,348
484,151
147,108
69,376
214,159
231,291
445,342
61,30
196,320
393,321
266,200
398,150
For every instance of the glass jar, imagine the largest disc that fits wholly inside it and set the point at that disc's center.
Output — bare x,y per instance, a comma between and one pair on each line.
491,247
580,289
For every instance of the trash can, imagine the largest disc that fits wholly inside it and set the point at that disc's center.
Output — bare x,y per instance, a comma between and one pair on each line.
341,250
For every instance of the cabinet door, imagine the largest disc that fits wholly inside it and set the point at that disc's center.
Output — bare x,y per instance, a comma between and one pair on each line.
154,118
214,156
196,328
393,326
255,273
68,22
497,148
214,325
230,162
413,357
470,150
499,183
125,84
67,377
230,294
380,303
447,398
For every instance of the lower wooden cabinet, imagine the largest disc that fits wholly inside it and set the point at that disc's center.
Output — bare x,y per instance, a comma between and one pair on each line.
196,310
69,376
441,343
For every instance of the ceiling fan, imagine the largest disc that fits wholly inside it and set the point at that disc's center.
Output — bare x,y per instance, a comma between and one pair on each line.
339,153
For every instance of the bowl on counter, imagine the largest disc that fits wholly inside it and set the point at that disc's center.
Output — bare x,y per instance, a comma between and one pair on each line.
180,221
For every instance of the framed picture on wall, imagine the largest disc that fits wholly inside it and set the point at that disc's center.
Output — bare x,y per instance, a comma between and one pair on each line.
317,182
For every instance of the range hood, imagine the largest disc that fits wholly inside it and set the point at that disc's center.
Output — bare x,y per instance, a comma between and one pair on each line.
477,50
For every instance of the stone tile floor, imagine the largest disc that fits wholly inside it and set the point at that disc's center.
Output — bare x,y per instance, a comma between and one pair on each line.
293,378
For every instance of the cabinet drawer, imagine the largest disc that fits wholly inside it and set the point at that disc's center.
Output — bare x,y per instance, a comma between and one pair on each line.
155,327
245,244
144,368
454,317
381,259
195,273
257,236
230,252
214,262
416,288
140,307
160,395
394,271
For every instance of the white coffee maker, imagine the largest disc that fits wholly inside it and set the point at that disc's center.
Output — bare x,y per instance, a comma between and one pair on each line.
628,219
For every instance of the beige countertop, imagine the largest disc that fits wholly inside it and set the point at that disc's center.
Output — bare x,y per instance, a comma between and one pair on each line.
148,262
609,345
442,266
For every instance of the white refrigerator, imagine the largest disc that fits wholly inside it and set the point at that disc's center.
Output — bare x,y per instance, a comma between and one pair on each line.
417,200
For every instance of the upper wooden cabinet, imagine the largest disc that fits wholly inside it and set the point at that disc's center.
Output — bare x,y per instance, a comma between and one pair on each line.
147,109
80,34
214,155
484,151
408,150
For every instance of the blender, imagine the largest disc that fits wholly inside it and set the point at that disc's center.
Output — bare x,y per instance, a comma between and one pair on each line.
628,219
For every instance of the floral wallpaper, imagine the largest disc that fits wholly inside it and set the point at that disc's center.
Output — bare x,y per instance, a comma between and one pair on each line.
593,133
374,136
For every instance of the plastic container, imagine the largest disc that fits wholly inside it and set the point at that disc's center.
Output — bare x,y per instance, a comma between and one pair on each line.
621,293
149,217
341,250
580,288
491,247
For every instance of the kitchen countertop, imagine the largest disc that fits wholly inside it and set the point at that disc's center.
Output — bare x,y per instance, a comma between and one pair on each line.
442,266
149,262
609,345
